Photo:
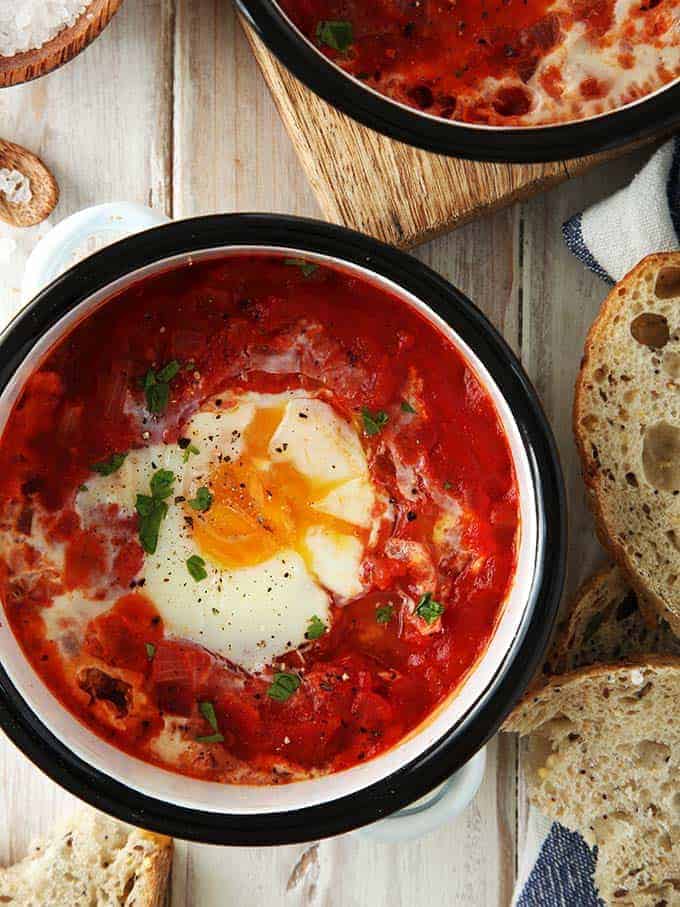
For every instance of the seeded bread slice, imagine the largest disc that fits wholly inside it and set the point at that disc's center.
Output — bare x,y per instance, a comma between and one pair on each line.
603,759
608,623
627,427
91,861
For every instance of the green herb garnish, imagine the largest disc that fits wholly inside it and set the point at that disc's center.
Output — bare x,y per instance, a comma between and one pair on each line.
152,508
335,33
151,512
316,628
211,738
202,501
191,450
374,422
196,567
283,686
406,407
150,650
429,609
448,486
157,386
307,267
207,709
383,614
108,467
162,483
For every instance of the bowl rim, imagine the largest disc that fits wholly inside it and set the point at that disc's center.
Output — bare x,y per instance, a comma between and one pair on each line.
459,744
649,117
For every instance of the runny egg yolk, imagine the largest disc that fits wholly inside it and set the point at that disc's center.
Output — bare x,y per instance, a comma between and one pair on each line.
260,507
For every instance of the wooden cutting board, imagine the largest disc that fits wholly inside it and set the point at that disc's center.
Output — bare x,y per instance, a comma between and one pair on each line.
399,194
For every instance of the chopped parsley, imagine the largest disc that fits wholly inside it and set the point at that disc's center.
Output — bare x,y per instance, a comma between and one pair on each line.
196,567
152,508
283,686
307,267
429,609
191,450
316,628
202,501
448,486
157,386
150,650
406,407
162,483
211,738
335,33
374,422
383,614
207,709
108,467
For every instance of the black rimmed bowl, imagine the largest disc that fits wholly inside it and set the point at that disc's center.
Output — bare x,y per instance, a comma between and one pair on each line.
652,116
146,795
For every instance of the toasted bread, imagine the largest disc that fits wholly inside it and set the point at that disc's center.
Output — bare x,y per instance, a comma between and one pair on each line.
91,859
606,624
627,427
603,759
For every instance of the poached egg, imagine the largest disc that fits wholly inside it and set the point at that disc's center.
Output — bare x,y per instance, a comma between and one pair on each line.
291,506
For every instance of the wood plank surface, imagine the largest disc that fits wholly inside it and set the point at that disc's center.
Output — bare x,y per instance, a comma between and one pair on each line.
168,108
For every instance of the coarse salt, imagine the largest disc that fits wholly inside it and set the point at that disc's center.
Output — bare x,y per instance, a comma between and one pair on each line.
27,24
15,185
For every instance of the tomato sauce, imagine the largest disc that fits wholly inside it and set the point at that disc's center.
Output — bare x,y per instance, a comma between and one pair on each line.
257,323
483,61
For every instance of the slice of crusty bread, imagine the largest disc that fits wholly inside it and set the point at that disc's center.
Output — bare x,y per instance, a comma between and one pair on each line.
91,861
606,624
603,759
627,427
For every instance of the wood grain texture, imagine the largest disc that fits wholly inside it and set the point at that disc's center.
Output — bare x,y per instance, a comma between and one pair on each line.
62,48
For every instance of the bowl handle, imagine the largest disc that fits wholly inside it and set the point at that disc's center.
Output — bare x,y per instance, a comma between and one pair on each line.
79,235
438,807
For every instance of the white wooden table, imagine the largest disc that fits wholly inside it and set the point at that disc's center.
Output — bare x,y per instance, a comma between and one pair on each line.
168,108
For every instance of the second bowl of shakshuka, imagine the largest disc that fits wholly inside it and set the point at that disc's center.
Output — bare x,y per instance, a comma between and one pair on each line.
282,529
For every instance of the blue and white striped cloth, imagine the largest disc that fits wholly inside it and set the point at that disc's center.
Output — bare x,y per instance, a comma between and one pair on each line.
613,236
556,867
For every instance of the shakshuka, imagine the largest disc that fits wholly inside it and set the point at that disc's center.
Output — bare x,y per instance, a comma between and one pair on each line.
500,62
258,519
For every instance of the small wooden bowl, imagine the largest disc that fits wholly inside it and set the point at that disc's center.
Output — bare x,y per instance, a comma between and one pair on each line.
62,48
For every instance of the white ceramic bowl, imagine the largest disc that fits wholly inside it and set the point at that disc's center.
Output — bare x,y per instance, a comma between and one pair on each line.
185,807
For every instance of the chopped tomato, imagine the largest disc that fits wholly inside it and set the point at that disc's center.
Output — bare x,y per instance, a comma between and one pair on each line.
121,636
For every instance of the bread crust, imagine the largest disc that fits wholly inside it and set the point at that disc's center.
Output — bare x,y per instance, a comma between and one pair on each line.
152,885
592,474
